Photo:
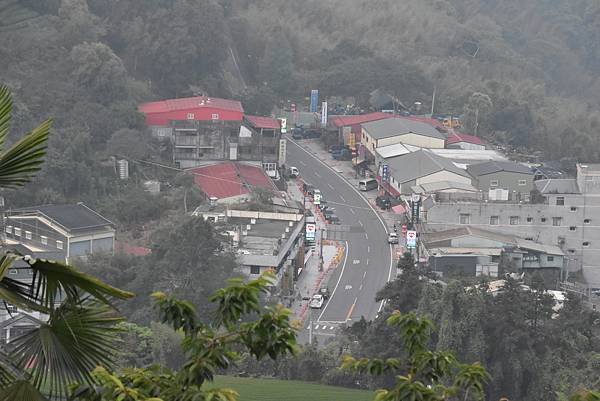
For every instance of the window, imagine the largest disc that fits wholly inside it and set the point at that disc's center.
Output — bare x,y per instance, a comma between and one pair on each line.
514,220
44,239
543,219
11,309
494,220
530,219
13,271
572,228
215,116
59,244
190,116
529,238
586,221
8,229
586,244
493,183
560,201
17,231
464,218
27,234
254,269
522,182
556,221
550,258
573,208
571,250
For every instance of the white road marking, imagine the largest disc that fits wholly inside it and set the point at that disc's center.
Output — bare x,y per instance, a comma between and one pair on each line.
316,326
352,211
361,223
342,198
301,162
368,248
339,279
331,327
368,204
331,186
356,261
367,262
317,174
364,275
360,288
348,287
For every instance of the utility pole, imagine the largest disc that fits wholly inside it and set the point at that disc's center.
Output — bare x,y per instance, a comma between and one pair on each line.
321,250
432,101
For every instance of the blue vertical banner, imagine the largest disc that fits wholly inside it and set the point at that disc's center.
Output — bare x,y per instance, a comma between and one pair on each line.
385,173
314,100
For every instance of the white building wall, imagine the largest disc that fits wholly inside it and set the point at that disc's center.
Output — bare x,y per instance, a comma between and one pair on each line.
443,176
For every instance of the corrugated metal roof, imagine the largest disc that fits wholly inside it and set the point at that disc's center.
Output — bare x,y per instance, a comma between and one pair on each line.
225,180
420,164
348,120
557,186
263,122
71,217
456,137
188,103
470,155
397,149
398,126
438,186
497,166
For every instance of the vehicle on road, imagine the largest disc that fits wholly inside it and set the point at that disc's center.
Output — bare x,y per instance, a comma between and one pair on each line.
298,133
294,172
367,185
392,238
316,302
384,202
325,292
332,219
327,212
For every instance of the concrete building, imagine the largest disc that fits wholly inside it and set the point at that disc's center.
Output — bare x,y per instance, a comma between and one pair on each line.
66,230
391,131
348,127
474,251
502,180
567,217
421,167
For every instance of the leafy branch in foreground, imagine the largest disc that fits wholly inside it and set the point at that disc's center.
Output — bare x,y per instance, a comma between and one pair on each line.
424,374
240,322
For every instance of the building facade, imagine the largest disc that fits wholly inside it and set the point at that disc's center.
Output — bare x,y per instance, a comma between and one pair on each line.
513,181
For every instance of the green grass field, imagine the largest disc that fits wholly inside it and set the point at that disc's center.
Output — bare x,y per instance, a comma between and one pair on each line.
288,390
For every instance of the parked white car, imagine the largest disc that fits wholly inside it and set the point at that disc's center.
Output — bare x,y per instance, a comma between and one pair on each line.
316,302
392,238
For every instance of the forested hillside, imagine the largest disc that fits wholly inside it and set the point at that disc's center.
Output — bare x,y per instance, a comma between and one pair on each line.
529,67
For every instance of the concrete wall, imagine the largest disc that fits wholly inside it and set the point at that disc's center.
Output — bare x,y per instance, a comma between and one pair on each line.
506,180
535,222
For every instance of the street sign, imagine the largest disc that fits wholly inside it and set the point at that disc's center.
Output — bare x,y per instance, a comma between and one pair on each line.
282,152
404,228
324,114
311,230
314,100
411,239
283,123
293,107
385,171
415,197
317,199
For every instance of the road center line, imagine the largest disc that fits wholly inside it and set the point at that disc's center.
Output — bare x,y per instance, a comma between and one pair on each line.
342,198
317,174
366,236
360,288
367,262
364,275
331,186
352,211
368,248
361,223
338,282
302,163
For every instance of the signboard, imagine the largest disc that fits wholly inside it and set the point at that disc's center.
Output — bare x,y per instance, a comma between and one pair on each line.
411,239
317,199
324,114
314,100
293,107
282,152
311,230
283,124
404,228
385,172
415,211
415,197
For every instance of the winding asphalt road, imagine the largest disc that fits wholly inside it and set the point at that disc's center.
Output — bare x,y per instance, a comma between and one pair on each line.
367,263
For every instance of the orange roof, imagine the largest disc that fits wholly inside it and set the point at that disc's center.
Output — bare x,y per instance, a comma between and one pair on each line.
228,179
188,103
263,122
344,121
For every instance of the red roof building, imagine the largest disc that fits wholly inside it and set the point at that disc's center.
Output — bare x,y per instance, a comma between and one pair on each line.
259,122
227,180
464,141
200,108
350,124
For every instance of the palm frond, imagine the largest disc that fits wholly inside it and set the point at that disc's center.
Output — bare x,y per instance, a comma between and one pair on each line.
20,163
77,337
15,292
21,390
7,370
5,113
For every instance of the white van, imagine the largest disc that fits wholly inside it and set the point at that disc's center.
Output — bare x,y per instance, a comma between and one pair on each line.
367,185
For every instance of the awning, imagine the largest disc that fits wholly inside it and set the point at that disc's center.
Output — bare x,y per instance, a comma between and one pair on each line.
399,209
